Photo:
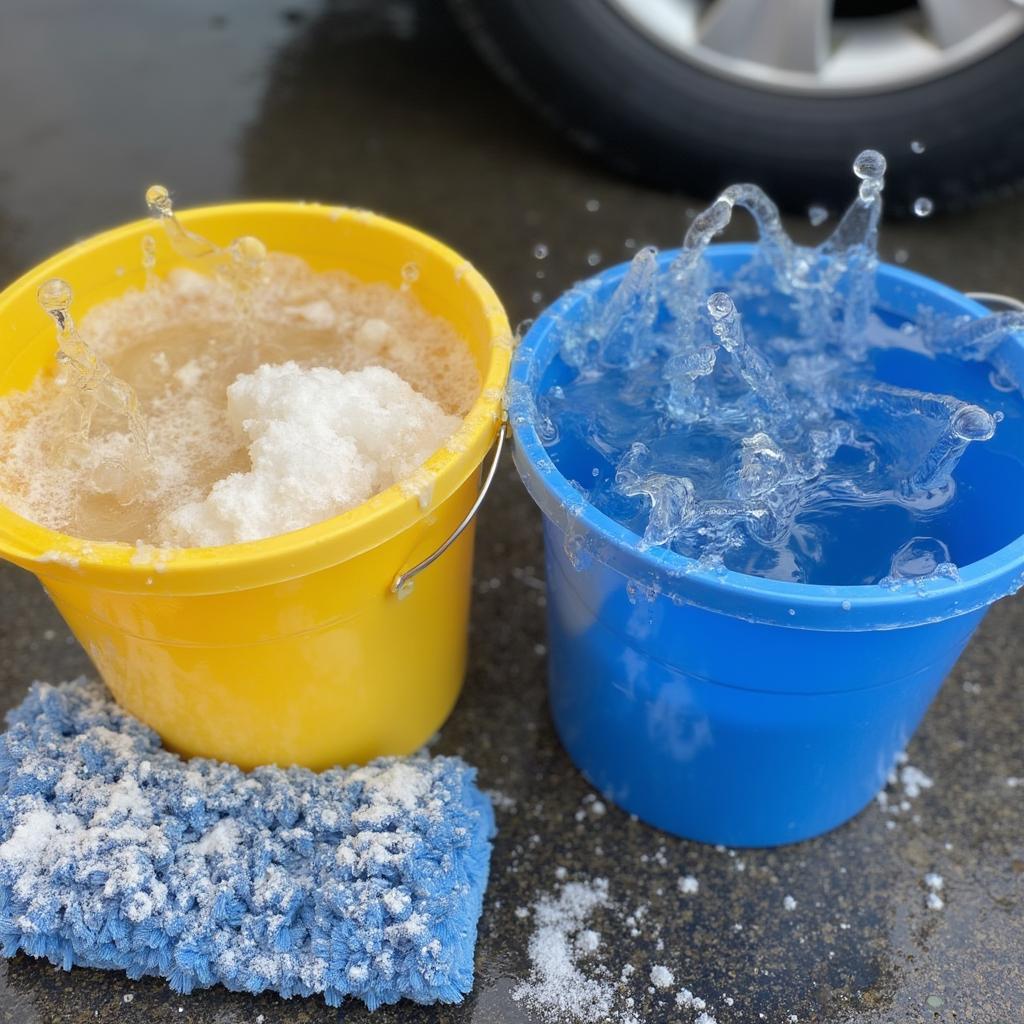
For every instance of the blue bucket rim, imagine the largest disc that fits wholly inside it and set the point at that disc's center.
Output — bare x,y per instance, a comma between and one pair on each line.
757,599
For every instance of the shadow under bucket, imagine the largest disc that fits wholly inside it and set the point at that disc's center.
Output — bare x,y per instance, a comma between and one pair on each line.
302,648
730,708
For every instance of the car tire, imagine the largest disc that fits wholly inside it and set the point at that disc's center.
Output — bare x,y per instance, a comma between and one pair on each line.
652,114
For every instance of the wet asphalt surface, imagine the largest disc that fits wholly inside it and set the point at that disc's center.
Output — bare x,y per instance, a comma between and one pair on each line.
382,105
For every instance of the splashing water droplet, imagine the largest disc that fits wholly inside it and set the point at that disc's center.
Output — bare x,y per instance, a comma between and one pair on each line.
249,249
537,298
158,199
916,146
923,206
869,164
720,305
817,215
900,256
972,423
92,380
540,251
593,205
870,168
55,297
846,605
593,258
410,275
630,243
523,326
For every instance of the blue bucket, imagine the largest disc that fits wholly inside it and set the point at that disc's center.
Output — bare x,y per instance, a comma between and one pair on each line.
724,707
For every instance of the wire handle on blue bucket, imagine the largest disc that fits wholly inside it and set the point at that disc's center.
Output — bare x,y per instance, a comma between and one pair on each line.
995,299
401,583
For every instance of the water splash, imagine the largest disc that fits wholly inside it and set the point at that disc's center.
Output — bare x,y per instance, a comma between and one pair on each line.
733,449
91,383
241,263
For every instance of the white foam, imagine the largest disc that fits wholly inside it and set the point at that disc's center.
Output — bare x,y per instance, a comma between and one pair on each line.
321,442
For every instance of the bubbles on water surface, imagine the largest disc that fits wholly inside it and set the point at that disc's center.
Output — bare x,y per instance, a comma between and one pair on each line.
921,558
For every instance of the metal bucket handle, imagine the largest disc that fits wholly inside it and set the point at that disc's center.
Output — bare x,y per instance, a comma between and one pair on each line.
402,583
995,299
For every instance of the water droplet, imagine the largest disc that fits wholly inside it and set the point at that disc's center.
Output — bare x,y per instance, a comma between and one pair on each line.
720,305
540,274
55,297
158,199
523,326
846,605
536,298
630,243
923,206
540,251
593,258
900,256
916,146
792,611
869,164
593,205
410,275
972,423
817,215
251,250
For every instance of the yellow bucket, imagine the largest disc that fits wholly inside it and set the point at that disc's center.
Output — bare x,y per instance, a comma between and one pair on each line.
314,647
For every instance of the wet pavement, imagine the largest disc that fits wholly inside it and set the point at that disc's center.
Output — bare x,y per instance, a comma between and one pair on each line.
382,105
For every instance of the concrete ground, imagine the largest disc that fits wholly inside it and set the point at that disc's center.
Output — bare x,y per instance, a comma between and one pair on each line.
382,105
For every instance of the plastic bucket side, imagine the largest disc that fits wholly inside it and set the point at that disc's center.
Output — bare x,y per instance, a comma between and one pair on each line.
730,708
659,705
285,650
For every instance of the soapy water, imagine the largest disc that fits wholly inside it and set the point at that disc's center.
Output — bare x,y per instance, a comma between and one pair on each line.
794,443
178,408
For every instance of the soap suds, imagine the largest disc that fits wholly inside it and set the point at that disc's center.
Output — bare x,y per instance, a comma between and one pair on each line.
320,442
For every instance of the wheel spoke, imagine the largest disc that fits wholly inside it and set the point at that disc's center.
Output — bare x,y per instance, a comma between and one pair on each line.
790,35
952,21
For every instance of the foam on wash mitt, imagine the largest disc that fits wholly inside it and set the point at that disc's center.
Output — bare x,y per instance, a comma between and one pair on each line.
364,882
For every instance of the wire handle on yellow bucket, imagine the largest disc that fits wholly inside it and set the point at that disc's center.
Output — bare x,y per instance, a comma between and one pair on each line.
401,582
995,299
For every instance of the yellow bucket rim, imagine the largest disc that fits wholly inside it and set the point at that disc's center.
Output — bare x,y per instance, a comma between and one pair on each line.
180,571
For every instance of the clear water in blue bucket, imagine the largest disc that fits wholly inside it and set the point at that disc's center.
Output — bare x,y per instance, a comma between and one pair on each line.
782,422
856,523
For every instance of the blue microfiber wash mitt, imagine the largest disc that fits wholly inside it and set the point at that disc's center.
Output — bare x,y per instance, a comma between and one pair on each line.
116,853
